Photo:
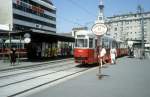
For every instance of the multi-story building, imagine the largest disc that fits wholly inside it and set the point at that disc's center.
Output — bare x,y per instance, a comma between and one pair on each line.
127,27
35,19
28,14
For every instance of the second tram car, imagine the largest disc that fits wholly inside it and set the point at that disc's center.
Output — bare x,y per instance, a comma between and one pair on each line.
85,51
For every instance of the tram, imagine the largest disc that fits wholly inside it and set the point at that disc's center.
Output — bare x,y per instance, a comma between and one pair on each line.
85,51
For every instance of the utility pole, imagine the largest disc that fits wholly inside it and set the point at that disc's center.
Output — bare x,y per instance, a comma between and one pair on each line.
141,11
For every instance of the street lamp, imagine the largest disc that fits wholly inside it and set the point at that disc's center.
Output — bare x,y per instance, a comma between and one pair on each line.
141,11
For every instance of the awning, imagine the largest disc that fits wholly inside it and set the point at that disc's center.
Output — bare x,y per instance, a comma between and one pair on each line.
51,36
44,36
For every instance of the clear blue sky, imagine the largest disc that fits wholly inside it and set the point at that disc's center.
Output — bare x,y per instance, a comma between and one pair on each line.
76,13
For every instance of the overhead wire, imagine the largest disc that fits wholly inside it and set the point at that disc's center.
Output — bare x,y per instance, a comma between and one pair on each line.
81,7
70,21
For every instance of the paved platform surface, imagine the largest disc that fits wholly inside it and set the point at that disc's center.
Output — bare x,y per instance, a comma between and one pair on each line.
5,64
130,77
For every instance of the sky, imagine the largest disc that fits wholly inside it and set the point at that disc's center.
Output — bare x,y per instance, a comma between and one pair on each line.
77,13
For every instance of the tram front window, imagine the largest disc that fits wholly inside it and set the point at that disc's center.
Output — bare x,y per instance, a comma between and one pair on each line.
81,43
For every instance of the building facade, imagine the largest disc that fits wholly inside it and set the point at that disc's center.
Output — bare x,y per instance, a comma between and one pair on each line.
34,19
127,27
28,14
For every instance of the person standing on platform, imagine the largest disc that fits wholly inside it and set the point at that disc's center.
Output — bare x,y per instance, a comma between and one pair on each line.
13,56
113,54
38,52
102,55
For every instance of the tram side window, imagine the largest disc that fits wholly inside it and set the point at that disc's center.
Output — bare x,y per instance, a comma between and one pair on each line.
81,43
90,43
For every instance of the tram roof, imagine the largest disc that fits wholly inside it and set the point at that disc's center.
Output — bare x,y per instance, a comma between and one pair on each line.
85,32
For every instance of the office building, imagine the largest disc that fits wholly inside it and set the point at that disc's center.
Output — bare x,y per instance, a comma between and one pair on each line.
127,27
23,15
34,19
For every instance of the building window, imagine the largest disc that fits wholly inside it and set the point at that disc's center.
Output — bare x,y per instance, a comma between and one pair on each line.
121,28
115,29
23,18
36,5
29,10
127,33
145,14
100,18
135,15
116,34
90,43
25,28
127,28
127,22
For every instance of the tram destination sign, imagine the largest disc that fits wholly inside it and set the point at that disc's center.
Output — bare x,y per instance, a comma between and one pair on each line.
99,29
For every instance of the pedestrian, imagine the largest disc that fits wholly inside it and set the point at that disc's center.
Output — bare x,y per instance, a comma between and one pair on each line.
38,52
136,52
13,56
113,55
102,53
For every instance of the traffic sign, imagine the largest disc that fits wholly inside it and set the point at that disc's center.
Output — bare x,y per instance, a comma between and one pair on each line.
99,29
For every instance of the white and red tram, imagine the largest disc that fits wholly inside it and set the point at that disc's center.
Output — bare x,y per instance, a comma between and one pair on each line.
85,51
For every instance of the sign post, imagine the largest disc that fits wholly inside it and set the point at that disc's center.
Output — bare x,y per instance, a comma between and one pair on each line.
99,29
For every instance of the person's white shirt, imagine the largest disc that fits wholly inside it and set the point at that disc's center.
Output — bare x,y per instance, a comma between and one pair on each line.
113,54
103,52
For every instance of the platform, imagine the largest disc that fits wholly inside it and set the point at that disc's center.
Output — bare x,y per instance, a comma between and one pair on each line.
128,78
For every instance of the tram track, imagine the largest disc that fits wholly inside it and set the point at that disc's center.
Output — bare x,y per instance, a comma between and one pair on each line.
23,70
33,77
46,83
40,80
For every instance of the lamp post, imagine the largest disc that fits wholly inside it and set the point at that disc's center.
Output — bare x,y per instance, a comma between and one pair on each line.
99,29
9,35
141,10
